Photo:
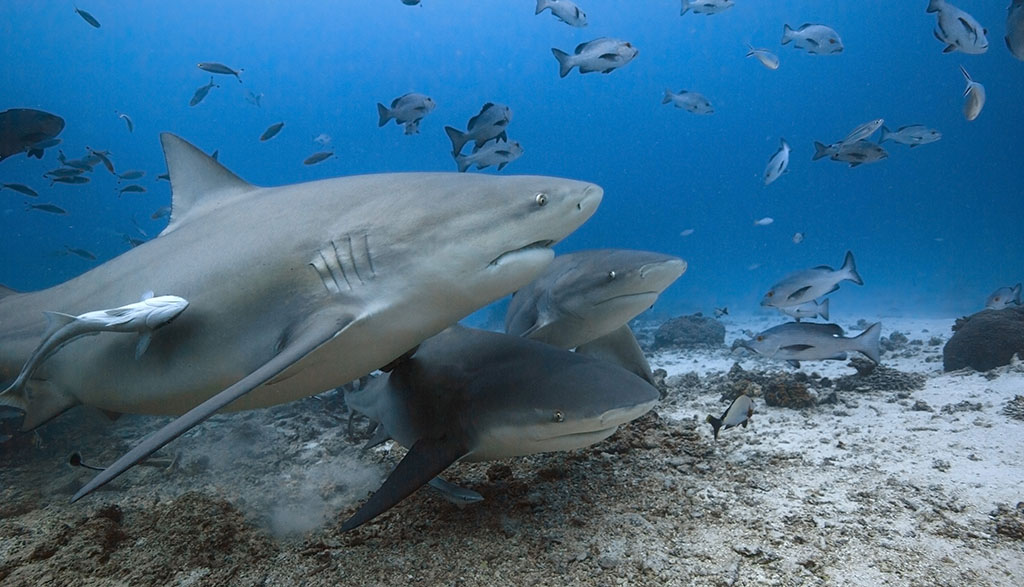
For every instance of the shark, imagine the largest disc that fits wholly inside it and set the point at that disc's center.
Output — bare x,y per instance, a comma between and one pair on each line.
584,300
292,290
476,395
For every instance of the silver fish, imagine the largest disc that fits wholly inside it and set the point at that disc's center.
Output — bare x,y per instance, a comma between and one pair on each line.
131,175
603,54
706,7
913,135
803,341
798,237
1003,297
70,180
220,68
1015,29
810,284
489,124
816,39
21,189
777,164
131,189
857,153
411,107
764,221
64,172
271,131
318,157
863,131
690,101
957,29
565,11
161,212
201,92
809,309
766,57
738,413
104,157
499,153
974,96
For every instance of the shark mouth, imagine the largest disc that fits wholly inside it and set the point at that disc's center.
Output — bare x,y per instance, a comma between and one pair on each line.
628,295
510,255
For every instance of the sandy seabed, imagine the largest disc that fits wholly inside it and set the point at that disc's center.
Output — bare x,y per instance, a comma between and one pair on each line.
889,479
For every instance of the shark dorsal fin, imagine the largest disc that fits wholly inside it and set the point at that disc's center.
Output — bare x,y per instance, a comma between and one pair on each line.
6,291
198,182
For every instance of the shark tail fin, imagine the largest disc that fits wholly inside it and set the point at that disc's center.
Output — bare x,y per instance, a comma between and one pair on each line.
868,341
565,63
823,309
458,139
850,268
383,114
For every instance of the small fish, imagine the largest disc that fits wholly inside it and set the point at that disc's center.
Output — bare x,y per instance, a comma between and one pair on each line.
764,221
412,128
855,154
164,176
689,101
131,189
411,107
957,29
766,57
816,39
21,189
322,139
706,7
777,164
47,208
798,237
810,284
83,164
1003,297
131,175
64,172
687,232
318,157
1015,29
913,134
809,309
863,131
220,68
104,157
81,253
499,153
201,92
565,11
410,2
738,413
128,121
254,98
603,54
88,17
489,124
271,131
161,212
974,96
719,312
807,341
133,241
70,180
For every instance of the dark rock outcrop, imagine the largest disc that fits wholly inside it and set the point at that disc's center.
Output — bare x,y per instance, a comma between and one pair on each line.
687,332
985,340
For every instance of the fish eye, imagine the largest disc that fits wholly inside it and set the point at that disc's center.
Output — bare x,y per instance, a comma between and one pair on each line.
769,294
542,199
558,417
611,275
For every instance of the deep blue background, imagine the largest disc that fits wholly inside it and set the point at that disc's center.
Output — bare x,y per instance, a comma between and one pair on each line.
934,229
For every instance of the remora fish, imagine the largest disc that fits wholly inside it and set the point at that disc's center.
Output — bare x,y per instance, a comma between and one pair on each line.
1003,297
738,413
706,7
220,68
353,272
405,109
860,132
1015,29
689,101
201,92
957,29
913,135
777,164
496,153
603,54
766,57
475,395
816,39
587,298
141,317
565,11
805,341
271,131
809,309
318,157
974,96
489,124
810,284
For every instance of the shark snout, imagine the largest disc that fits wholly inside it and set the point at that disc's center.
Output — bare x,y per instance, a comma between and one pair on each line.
589,200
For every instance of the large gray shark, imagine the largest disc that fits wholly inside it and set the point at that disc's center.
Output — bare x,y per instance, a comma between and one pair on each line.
475,395
293,290
585,299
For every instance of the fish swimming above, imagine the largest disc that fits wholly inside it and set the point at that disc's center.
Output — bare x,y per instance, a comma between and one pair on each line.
706,7
103,157
201,92
811,309
857,153
131,189
22,128
69,179
739,412
816,39
974,96
474,395
271,131
87,255
350,272
564,10
806,341
498,153
37,149
490,124
860,132
690,101
128,121
318,157
20,188
912,134
764,221
957,29
777,164
64,172
49,208
406,109
221,69
810,284
1015,29
131,174
87,18
603,54
764,56
1003,298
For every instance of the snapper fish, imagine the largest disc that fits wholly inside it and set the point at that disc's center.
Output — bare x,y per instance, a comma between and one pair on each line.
690,101
810,284
804,341
565,11
857,153
816,39
603,54
1003,298
201,92
913,135
1015,29
498,153
220,68
766,57
405,109
489,124
974,96
706,7
777,164
811,309
738,413
957,29
860,132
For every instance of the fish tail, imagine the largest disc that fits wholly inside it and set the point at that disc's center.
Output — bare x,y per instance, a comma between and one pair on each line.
750,53
823,309
820,151
541,5
565,64
667,97
935,5
458,139
787,34
685,9
850,268
885,134
383,114
716,424
463,162
867,341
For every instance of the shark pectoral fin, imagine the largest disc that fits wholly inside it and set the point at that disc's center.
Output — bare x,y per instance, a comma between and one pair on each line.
424,461
621,348
41,401
380,436
144,339
321,329
455,494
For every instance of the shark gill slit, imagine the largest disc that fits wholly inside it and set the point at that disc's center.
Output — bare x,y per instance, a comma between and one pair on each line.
352,258
339,262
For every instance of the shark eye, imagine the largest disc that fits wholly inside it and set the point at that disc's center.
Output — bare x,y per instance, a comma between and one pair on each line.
769,294
542,199
760,339
611,275
558,417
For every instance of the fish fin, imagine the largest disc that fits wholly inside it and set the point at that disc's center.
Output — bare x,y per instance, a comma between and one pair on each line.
850,268
823,309
40,400
383,114
380,436
867,342
934,5
621,348
55,321
425,460
799,292
198,182
463,163
458,139
315,331
949,48
564,62
541,5
6,291
145,338
820,151
885,134
794,363
716,424
453,493
787,34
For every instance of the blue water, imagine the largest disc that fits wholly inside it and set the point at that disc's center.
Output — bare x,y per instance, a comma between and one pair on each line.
934,229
